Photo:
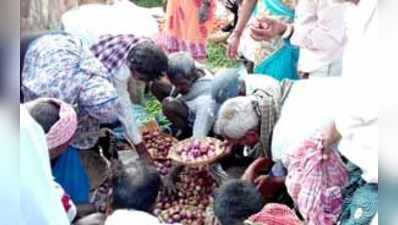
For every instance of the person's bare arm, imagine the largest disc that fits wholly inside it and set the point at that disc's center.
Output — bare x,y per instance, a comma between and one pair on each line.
331,135
245,12
170,180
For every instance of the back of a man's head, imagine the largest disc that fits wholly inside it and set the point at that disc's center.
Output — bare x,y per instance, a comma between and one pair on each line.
46,114
181,65
148,59
235,201
136,187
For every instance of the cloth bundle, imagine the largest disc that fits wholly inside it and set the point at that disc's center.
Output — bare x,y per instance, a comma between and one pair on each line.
315,181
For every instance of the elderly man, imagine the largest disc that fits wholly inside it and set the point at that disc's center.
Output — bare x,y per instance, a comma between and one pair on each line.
272,117
189,106
276,119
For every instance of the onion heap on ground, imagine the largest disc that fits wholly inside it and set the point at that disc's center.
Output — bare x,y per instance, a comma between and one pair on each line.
189,205
194,186
158,144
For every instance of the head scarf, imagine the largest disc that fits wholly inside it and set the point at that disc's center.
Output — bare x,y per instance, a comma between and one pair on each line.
268,106
315,181
64,129
274,214
113,50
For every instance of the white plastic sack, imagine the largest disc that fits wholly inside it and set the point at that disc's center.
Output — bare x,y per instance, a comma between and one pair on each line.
124,17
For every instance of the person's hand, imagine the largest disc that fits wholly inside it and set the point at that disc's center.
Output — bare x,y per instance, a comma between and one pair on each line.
169,184
233,45
169,181
269,186
255,168
330,135
144,154
227,146
218,173
203,13
265,28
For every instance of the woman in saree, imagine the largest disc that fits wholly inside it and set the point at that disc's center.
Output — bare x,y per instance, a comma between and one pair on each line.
187,26
277,57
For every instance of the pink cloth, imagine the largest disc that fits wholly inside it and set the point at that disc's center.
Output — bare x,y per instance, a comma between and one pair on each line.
315,181
274,214
64,129
319,31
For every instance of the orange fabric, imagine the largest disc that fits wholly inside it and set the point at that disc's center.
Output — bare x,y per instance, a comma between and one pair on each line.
182,30
183,20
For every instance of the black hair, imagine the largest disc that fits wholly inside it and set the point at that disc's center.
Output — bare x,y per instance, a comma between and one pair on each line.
46,114
135,187
235,201
181,64
148,59
233,7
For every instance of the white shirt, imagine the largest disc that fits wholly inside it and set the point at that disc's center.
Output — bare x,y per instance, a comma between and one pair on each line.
121,77
259,81
40,203
310,106
202,105
10,194
357,122
359,142
319,31
360,56
313,104
128,217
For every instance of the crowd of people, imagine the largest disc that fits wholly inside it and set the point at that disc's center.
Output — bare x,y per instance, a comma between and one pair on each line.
296,110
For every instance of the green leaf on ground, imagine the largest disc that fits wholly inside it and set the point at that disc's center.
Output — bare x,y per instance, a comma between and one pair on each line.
148,3
217,57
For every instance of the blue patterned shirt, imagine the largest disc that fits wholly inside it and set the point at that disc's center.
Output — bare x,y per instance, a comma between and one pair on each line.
60,66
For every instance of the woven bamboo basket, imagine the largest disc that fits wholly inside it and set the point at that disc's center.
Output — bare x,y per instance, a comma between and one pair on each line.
173,155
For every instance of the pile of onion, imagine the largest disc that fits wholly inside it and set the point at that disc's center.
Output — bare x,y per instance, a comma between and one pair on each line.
194,185
196,151
188,206
158,144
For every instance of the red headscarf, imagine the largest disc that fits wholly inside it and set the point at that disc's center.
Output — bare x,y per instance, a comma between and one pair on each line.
274,214
64,129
